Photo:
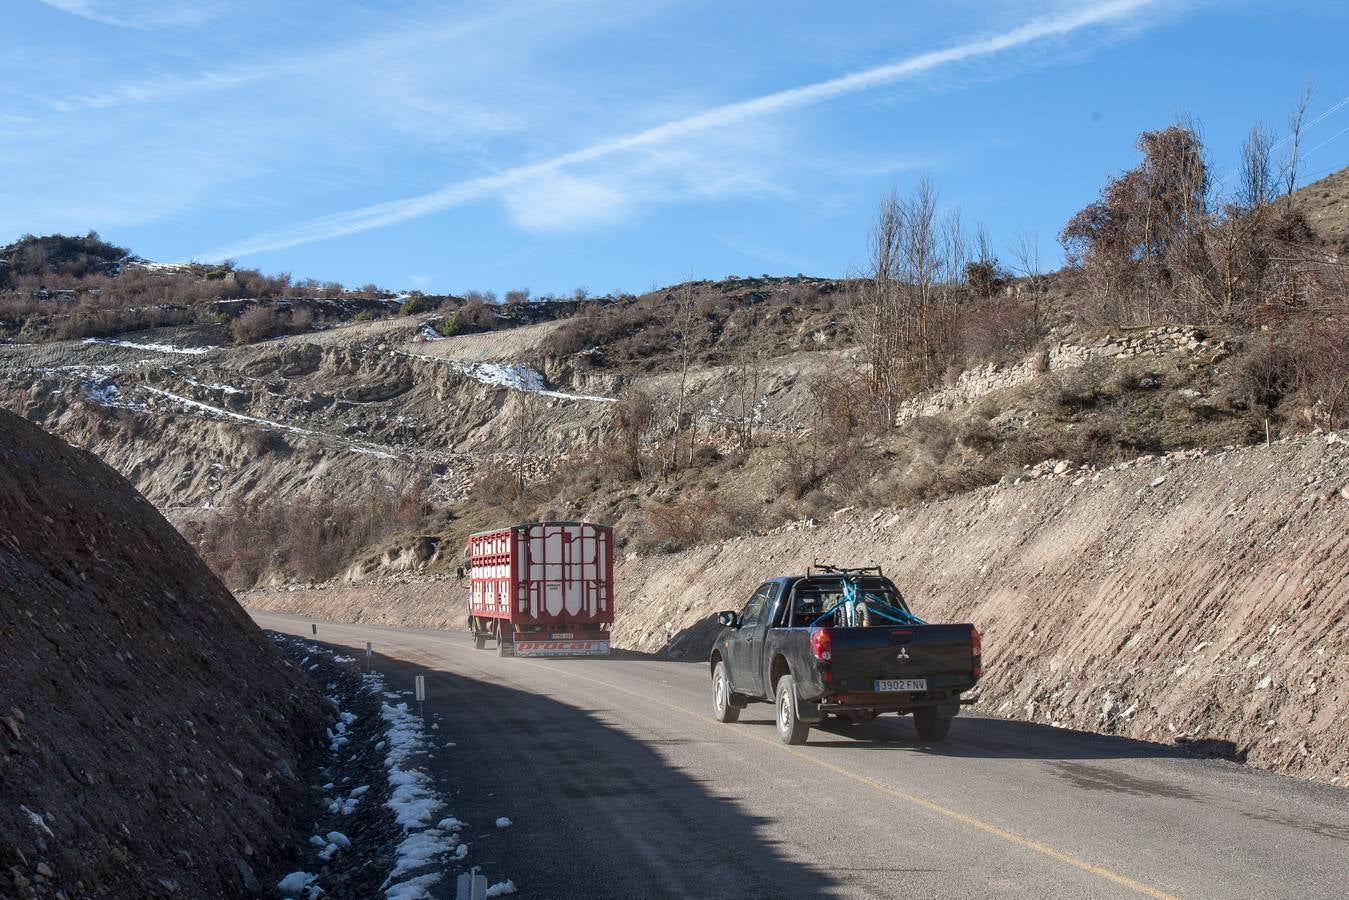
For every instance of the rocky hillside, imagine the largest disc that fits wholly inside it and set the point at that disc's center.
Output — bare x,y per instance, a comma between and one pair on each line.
149,734
1198,599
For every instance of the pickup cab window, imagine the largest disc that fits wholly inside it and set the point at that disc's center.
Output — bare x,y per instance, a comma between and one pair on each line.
816,596
758,605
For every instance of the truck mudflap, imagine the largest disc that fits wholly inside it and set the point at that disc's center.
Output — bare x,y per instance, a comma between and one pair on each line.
530,648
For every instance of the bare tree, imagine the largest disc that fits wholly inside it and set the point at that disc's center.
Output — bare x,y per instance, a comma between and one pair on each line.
745,390
633,415
1256,184
1296,122
524,422
921,267
1026,250
981,273
684,321
878,301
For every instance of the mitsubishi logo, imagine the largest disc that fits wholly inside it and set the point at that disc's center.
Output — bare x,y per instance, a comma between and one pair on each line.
903,654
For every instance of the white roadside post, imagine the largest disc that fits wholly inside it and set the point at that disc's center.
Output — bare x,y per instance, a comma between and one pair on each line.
369,648
421,695
315,626
471,886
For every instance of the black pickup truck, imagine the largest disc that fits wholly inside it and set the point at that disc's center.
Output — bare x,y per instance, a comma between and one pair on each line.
840,642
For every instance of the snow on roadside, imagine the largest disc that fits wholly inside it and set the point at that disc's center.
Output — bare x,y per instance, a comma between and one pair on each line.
156,348
395,827
428,841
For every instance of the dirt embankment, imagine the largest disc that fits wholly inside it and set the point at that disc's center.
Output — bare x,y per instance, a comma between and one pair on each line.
149,734
1193,600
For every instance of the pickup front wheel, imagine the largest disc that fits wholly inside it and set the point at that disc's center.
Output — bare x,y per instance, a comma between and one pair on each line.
721,696
791,730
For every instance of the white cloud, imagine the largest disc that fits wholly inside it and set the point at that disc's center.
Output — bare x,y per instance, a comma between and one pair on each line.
144,13
601,203
557,201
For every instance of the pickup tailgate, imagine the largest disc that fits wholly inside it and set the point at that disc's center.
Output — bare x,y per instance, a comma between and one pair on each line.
941,655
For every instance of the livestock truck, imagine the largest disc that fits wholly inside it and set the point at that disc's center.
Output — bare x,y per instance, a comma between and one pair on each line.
542,589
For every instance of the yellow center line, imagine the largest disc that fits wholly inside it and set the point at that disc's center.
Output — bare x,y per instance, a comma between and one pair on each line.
988,828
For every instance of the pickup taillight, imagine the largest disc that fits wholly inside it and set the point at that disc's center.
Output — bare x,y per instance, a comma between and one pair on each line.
821,644
977,652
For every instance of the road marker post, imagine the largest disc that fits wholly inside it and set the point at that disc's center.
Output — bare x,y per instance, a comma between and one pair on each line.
420,685
315,626
369,648
471,886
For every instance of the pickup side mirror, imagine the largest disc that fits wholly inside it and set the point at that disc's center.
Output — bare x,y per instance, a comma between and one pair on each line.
728,619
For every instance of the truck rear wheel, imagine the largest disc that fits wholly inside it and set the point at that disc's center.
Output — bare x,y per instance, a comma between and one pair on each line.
721,696
479,640
931,727
791,730
505,647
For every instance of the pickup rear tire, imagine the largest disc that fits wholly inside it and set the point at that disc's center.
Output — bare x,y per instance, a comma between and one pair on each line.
930,726
791,730
721,696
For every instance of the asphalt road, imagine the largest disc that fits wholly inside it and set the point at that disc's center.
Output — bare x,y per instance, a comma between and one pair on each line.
620,784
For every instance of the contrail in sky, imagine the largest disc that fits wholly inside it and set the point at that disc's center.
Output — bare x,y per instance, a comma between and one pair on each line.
395,211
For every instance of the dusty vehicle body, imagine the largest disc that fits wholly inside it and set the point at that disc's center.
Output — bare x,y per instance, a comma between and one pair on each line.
787,647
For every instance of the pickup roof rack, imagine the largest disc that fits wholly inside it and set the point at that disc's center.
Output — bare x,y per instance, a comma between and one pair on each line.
827,569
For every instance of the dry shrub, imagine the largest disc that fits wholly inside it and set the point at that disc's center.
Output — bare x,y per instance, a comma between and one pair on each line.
311,537
679,525
263,322
257,324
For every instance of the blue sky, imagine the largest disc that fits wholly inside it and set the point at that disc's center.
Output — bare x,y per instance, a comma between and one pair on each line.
608,143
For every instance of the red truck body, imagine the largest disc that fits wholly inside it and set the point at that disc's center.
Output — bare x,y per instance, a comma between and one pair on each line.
543,588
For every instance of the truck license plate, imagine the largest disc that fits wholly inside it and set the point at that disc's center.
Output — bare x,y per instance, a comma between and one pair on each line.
901,684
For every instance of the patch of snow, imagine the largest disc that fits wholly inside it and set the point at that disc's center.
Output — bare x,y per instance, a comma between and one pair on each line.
155,348
294,884
413,889
358,791
504,822
430,334
378,454
223,388
340,839
103,392
512,377
227,413
421,849
500,889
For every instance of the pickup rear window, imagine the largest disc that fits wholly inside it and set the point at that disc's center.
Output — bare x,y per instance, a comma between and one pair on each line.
812,597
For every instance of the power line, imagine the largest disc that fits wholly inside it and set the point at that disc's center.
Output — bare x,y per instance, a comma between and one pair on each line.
1326,141
1329,112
